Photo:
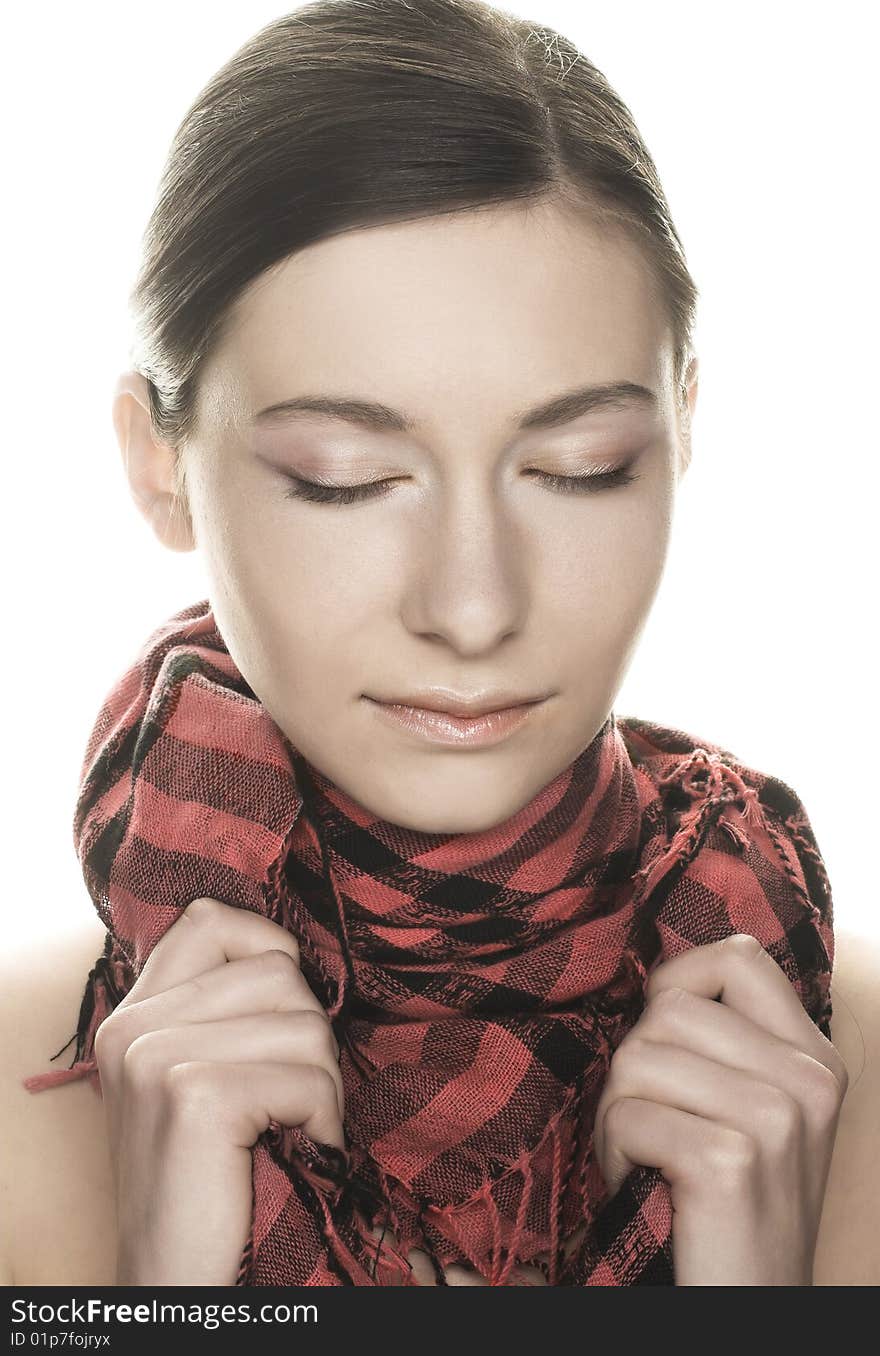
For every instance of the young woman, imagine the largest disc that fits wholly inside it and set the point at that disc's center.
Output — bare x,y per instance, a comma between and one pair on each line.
420,965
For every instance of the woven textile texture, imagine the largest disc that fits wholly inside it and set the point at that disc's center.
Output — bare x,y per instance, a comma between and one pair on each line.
478,984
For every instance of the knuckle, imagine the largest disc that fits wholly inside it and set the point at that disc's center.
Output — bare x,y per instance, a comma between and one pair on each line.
202,910
214,912
824,1088
742,946
142,1062
113,1037
729,1156
628,1056
190,1089
324,1088
105,1044
668,1004
317,1030
616,1117
280,965
780,1119
835,1066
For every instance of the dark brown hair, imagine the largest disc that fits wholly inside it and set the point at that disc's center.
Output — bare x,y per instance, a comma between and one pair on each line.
354,113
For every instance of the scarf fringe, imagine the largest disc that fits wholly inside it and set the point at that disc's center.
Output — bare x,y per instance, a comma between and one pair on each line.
100,997
83,1069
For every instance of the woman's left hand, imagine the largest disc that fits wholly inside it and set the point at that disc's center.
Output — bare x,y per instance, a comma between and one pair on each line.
737,1103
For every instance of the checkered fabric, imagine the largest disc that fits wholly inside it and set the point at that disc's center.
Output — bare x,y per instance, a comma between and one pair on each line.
478,984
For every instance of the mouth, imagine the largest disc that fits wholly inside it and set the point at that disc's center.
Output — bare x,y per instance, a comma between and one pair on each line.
444,726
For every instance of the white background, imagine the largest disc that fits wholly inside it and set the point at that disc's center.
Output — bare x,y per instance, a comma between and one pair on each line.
759,119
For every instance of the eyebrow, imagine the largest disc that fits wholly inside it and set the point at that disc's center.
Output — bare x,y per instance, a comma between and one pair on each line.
560,409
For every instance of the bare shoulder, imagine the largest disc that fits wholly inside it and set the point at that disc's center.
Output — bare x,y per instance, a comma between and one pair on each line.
848,1247
56,1189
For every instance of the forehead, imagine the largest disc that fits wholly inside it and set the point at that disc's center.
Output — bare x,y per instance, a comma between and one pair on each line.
480,306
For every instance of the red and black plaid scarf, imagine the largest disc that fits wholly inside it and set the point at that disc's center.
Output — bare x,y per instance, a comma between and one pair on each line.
478,984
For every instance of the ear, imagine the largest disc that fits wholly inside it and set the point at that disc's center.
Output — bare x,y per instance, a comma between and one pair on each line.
150,465
687,405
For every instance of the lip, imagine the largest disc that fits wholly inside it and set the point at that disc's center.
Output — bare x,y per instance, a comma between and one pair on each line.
445,700
446,727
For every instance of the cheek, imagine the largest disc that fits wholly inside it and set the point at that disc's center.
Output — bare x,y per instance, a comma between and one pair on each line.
309,562
607,565
284,597
314,600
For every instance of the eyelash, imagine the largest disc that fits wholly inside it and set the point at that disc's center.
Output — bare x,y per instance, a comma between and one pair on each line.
590,483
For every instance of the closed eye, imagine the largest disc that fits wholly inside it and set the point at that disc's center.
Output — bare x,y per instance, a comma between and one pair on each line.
589,482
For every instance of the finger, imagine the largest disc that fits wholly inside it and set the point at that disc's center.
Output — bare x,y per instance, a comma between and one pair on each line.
456,1274
207,933
678,1017
738,971
270,981
240,1100
678,1078
421,1266
571,1243
528,1275
652,1135
283,1038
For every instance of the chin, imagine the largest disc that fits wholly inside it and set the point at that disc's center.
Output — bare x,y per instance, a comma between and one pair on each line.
455,818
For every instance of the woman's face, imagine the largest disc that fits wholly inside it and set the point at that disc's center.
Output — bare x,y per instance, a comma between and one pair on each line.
474,572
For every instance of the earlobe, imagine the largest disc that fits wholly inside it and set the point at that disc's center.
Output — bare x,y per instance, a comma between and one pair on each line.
150,465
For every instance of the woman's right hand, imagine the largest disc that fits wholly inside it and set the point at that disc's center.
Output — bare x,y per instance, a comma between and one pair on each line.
219,1034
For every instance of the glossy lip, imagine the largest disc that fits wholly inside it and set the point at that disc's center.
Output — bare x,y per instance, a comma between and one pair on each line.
444,727
444,699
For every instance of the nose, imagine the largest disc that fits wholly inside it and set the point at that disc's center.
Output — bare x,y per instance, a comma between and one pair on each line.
469,586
